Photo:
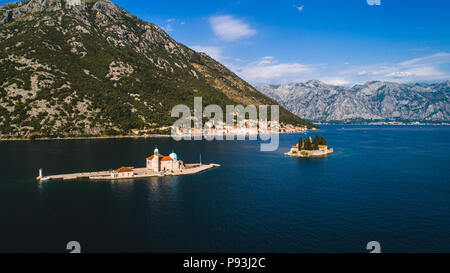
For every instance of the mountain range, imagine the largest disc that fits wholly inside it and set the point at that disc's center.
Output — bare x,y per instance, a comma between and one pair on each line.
84,67
374,101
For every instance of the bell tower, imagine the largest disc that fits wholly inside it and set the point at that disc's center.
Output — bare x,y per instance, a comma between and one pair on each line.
155,162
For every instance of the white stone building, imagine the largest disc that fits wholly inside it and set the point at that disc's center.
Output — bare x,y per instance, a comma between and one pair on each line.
122,173
159,163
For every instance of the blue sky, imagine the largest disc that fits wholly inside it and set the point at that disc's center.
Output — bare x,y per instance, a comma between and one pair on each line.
336,41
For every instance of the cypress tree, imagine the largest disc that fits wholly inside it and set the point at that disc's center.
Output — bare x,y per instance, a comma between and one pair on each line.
316,139
323,141
300,143
316,143
308,144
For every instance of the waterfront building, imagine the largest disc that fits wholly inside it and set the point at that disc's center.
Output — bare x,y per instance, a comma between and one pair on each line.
159,163
323,147
122,173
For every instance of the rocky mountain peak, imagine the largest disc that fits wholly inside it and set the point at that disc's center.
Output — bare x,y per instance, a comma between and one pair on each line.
17,10
315,82
372,101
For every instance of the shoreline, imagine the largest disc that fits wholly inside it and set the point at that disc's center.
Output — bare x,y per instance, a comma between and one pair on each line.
385,124
311,154
85,138
170,136
138,173
15,139
122,137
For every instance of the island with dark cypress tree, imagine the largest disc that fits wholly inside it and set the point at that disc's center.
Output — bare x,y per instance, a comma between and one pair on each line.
317,147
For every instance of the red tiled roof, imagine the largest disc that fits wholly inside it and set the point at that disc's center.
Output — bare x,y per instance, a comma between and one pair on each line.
151,158
124,170
166,158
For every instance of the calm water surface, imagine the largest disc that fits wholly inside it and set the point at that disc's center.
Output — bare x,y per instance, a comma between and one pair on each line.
389,184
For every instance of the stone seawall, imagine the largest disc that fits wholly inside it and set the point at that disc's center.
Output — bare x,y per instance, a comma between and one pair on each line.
138,173
315,153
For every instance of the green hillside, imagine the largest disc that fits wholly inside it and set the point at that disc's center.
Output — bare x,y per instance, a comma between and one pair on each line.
95,69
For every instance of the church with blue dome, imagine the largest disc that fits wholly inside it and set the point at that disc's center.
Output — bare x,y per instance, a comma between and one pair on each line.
173,156
160,163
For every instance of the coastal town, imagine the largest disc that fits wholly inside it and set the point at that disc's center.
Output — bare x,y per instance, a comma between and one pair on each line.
317,147
157,165
243,127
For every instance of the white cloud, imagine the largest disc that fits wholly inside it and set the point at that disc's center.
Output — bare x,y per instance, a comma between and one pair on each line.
426,68
425,71
268,70
438,58
362,73
399,75
300,8
168,28
229,28
267,60
170,24
212,51
335,81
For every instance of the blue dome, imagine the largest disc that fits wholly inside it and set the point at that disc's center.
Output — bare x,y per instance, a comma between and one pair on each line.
173,156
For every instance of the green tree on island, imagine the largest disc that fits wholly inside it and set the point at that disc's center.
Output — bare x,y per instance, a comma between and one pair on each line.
323,141
300,144
316,143
308,144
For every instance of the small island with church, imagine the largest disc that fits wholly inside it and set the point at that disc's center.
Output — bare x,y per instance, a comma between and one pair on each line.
317,147
157,165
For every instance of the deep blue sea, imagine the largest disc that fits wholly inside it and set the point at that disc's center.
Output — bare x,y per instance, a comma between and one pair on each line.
385,184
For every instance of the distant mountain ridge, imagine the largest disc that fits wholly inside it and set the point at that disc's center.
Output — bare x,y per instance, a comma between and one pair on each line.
86,67
373,101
